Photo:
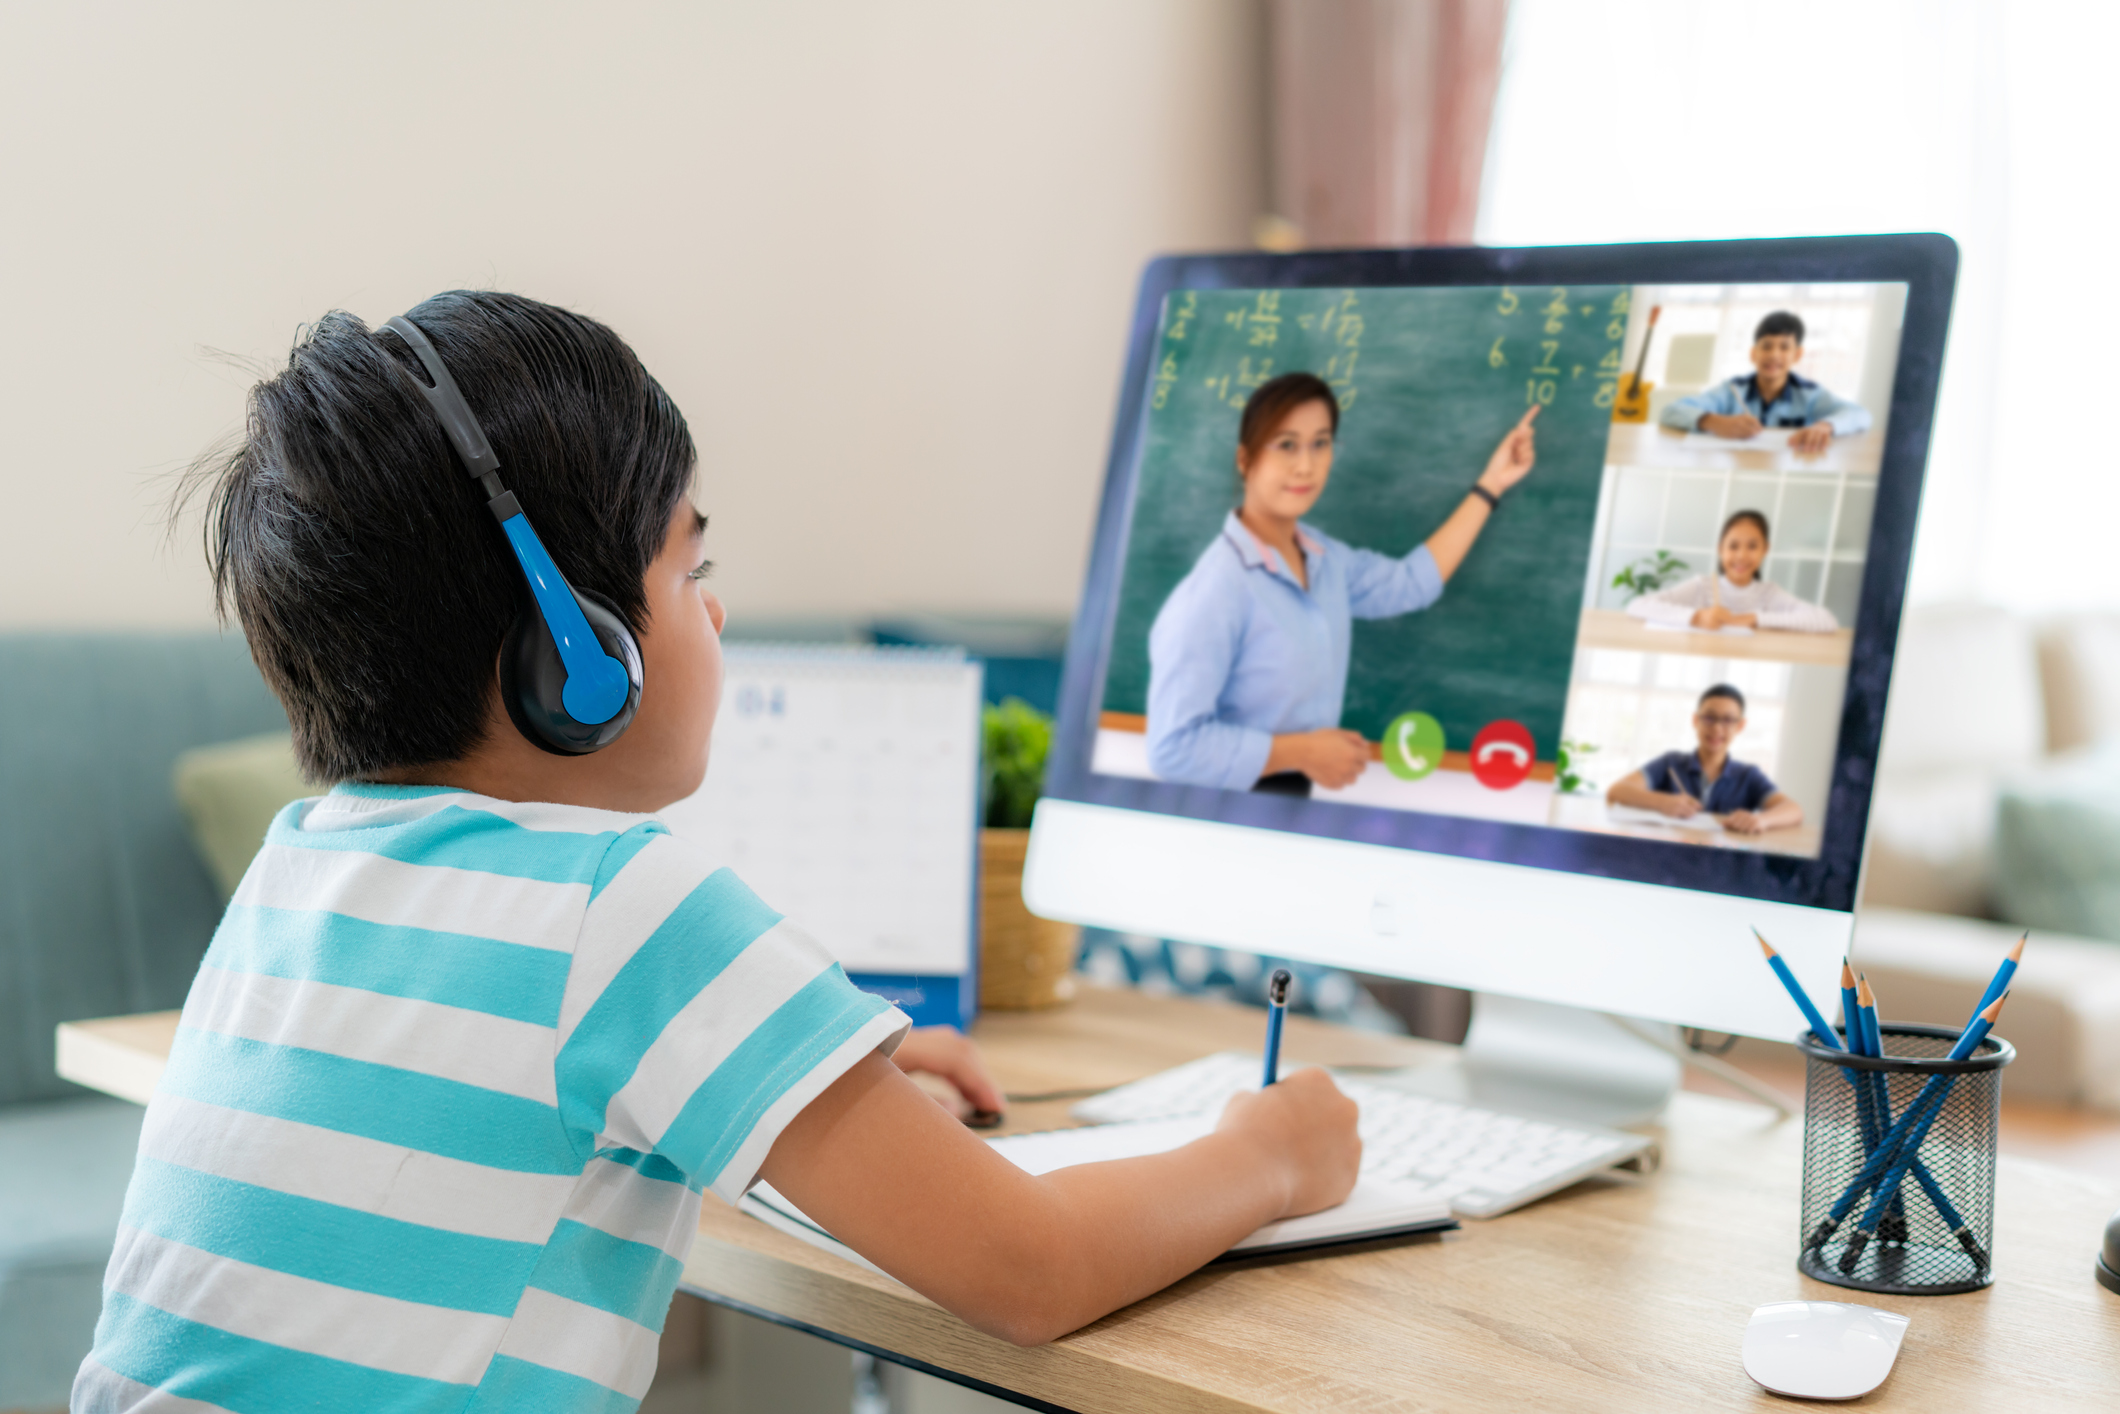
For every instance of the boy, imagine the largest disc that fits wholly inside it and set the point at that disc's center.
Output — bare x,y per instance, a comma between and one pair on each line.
1682,784
476,1033
1773,395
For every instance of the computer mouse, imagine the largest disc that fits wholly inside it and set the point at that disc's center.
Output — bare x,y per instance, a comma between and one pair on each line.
1822,1349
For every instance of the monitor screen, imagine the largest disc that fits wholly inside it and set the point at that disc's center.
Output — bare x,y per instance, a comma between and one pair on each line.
1659,653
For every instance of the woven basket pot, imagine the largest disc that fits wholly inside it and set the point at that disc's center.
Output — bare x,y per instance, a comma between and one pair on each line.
1025,962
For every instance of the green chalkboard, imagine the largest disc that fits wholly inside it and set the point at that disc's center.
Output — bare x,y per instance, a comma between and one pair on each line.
1428,380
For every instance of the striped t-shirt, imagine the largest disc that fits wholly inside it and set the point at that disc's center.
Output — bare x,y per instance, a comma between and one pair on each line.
446,1093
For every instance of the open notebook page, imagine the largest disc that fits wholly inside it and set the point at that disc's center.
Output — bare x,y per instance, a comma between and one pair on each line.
1376,1207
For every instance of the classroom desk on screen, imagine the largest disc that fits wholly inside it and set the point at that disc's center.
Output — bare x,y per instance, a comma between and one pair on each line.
1651,444
1621,1293
1589,812
1616,628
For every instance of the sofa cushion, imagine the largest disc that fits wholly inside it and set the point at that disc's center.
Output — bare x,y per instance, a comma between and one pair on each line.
104,906
229,794
2057,845
63,1170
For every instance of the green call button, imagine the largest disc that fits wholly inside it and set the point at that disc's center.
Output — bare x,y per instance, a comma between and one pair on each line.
1413,746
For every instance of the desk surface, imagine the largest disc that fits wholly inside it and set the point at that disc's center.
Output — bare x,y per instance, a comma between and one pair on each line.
1650,444
1617,1294
1589,812
1616,628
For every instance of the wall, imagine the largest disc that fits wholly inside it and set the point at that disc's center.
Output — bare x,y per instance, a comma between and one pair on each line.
882,256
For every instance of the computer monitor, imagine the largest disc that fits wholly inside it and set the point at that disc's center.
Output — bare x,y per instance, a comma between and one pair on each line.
1481,843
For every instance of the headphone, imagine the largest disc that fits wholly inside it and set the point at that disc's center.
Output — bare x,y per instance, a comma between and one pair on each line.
570,669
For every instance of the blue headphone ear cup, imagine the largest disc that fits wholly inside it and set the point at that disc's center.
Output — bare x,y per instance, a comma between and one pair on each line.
532,678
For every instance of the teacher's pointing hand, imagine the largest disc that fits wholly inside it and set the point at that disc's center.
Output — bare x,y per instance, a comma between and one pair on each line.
1513,457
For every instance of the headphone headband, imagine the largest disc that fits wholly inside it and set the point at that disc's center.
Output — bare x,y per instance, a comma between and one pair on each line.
441,393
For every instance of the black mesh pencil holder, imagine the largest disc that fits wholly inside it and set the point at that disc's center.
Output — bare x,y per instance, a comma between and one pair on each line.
1899,1163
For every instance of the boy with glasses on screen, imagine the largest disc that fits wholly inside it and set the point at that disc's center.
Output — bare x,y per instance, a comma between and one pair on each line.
1707,780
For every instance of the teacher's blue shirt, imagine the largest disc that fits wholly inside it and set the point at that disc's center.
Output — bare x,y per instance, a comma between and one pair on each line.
1240,652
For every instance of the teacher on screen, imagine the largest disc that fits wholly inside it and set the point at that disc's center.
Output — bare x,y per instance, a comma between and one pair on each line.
1247,660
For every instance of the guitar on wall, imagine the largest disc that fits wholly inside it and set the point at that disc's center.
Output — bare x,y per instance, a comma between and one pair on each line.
1632,405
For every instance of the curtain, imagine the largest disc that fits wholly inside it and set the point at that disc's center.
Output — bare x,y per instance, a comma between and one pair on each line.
1380,117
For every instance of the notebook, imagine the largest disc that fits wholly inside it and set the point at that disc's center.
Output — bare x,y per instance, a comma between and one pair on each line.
1376,1208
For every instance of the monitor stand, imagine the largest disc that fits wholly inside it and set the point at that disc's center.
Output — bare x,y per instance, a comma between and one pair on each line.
1553,1062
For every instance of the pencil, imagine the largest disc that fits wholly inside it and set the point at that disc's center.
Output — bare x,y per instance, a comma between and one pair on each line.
1823,1032
1932,1091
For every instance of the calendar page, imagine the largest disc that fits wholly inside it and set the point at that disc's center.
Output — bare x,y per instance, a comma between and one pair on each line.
843,788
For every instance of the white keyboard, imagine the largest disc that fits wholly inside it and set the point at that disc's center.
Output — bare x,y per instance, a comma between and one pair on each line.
1483,1162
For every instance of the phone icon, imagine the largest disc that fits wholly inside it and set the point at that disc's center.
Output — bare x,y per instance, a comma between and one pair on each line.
1413,746
1502,755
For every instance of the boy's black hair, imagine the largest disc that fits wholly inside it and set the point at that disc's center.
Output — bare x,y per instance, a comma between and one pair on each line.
1722,689
1781,321
370,580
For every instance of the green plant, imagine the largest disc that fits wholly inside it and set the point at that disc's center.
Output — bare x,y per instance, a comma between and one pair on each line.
1566,779
1015,737
1650,573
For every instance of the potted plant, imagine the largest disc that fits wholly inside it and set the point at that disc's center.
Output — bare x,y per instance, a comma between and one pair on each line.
1024,961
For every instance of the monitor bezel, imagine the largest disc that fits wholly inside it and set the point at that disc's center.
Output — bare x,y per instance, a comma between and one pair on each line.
1925,263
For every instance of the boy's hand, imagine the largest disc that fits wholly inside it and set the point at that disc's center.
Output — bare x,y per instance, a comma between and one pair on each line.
1744,822
1735,425
948,1053
1678,805
1306,1124
1812,439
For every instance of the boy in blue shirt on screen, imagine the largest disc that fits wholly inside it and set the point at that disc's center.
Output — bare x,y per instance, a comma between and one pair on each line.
477,1034
1772,395
1708,780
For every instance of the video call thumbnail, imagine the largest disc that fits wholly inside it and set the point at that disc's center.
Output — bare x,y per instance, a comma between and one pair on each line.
1585,557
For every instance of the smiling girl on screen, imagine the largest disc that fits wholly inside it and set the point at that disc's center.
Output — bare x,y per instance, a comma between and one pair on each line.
1737,597
1247,659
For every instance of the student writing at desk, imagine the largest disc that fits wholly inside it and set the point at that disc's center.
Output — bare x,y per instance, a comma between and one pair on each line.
1736,596
1707,780
1772,395
1247,658
477,1033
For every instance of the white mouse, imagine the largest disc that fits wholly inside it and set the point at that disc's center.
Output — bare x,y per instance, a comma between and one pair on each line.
1822,1349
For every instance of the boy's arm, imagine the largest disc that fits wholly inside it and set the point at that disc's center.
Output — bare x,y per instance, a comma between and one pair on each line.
888,1172
1846,418
1685,413
1635,791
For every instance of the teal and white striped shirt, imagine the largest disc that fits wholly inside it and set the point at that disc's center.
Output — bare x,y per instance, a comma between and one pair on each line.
446,1093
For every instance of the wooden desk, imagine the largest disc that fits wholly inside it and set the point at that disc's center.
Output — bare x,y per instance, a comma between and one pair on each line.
1617,1294
1648,444
1616,628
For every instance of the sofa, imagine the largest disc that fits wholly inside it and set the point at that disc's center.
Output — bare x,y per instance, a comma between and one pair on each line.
105,908
1990,817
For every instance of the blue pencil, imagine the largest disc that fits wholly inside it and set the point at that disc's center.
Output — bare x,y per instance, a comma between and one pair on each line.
2003,974
1873,1095
1276,1004
1932,1093
1823,1032
1910,1148
1873,1042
